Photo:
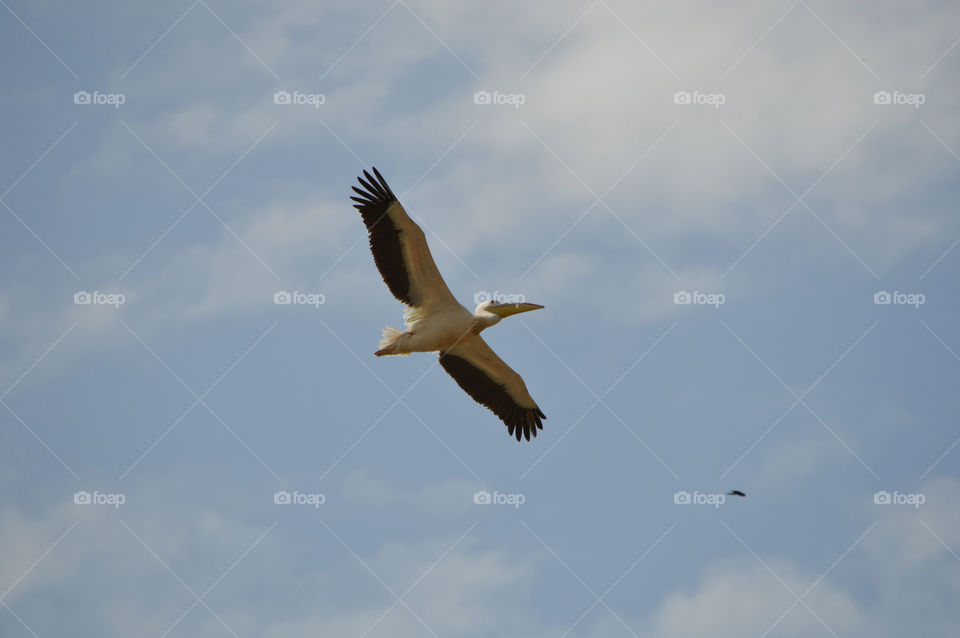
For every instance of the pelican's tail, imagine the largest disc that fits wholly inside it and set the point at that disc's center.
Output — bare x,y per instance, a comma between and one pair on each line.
388,342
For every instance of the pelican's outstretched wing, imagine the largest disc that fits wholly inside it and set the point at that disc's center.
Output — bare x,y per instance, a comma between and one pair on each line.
484,376
399,247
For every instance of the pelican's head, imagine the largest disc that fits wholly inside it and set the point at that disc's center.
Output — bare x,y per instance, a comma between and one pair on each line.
496,310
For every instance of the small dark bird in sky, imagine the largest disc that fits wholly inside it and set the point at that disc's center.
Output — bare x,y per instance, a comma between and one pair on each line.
736,493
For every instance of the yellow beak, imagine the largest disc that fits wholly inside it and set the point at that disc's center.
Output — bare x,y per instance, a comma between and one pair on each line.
507,309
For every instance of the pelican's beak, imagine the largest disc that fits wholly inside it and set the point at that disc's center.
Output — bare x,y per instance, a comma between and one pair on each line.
506,309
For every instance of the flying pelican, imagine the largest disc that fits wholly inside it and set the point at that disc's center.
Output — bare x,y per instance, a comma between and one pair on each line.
435,321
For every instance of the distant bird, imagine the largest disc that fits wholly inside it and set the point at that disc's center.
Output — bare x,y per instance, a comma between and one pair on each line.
736,493
435,321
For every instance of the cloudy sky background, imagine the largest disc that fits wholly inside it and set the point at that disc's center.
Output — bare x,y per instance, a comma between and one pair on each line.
199,198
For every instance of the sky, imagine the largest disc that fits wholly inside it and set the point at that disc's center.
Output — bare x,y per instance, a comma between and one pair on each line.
741,218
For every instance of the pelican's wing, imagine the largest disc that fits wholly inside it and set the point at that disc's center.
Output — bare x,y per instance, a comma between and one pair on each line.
399,247
484,376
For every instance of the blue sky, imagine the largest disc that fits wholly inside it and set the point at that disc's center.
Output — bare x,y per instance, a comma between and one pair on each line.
791,165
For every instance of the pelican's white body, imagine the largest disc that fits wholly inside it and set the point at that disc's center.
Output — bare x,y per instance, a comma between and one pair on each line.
436,331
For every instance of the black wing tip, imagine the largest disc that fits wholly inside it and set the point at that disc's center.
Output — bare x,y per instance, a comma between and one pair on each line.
376,188
382,181
527,425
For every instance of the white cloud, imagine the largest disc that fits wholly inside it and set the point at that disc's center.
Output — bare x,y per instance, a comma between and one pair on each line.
745,599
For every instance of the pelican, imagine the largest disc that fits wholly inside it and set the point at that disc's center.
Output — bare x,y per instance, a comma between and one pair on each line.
435,320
